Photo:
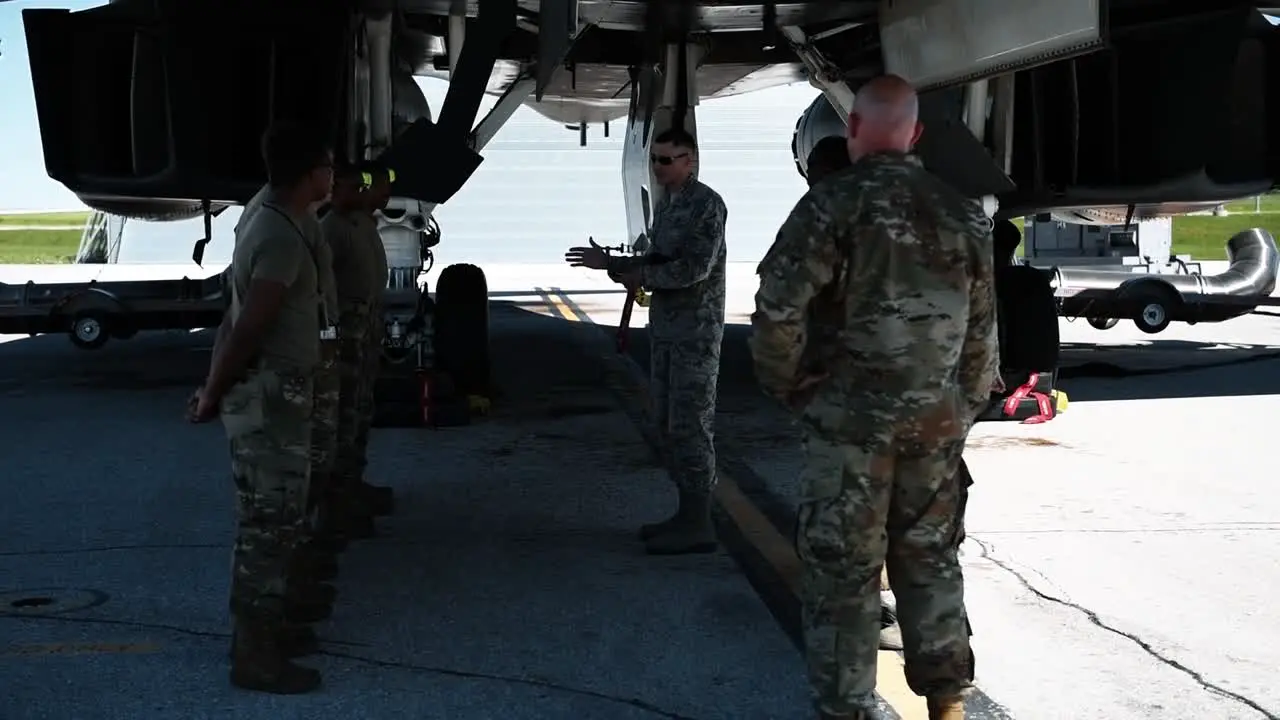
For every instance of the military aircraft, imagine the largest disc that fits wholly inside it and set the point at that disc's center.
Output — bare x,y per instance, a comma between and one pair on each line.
1085,107
1097,111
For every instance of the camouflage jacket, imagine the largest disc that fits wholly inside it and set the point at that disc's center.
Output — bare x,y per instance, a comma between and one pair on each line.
891,270
684,265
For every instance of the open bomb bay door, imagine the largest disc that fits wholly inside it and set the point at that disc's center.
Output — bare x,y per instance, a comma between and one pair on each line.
170,126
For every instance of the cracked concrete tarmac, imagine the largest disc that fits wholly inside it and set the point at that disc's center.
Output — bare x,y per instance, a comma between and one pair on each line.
1131,541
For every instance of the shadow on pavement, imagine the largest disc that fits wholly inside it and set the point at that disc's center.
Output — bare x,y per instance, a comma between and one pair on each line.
509,583
1162,369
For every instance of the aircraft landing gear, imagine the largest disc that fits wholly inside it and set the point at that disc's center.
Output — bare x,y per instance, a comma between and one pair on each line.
662,97
462,329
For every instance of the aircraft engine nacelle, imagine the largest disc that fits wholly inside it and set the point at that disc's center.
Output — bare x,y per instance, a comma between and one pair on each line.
819,120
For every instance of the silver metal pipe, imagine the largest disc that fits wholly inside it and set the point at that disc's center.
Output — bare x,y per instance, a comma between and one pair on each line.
1253,265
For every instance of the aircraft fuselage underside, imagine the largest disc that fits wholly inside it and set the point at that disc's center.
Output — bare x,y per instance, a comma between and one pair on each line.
1151,106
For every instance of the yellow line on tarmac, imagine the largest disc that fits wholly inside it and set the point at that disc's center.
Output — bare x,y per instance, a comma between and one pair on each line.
558,305
780,553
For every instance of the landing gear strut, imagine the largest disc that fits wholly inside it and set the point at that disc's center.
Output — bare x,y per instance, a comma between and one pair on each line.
662,97
436,353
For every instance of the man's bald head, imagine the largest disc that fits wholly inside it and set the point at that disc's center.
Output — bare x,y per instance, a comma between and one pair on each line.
885,116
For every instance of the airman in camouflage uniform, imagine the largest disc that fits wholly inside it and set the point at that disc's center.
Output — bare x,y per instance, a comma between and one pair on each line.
349,229
685,269
901,265
375,499
829,156
261,380
325,541
316,560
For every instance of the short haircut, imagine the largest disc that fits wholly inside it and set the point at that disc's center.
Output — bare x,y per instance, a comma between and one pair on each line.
678,137
830,154
290,151
888,99
1006,238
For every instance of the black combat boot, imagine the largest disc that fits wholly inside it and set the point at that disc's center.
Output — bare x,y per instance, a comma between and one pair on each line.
356,523
298,640
295,641
259,661
327,536
313,560
650,530
377,500
309,602
689,531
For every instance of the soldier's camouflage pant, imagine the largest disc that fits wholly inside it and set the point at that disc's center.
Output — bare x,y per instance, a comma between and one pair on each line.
347,468
966,480
268,422
370,364
683,376
324,429
865,504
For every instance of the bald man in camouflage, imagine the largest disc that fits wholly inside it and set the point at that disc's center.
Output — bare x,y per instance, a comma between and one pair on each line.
901,266
829,156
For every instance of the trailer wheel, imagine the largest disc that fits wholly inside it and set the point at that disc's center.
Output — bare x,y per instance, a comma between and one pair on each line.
1153,314
89,330
1100,323
461,328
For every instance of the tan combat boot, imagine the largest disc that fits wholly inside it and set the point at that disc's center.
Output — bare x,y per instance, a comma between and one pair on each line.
945,708
258,661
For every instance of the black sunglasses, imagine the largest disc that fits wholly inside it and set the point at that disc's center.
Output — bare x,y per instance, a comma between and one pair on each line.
665,159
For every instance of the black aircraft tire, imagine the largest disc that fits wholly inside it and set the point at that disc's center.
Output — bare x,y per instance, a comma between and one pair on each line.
461,327
1100,323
